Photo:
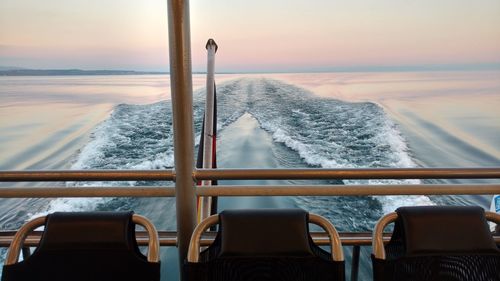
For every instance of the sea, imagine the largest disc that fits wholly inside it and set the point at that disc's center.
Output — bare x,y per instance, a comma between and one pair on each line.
270,120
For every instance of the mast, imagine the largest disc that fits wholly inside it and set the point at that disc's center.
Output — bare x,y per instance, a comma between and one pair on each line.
210,123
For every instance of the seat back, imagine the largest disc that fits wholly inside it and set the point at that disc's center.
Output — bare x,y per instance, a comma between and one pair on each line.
437,243
85,246
264,244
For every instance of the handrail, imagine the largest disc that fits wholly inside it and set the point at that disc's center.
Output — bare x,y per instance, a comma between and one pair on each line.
377,243
348,190
94,191
335,242
154,243
254,190
252,174
341,174
17,241
194,244
87,175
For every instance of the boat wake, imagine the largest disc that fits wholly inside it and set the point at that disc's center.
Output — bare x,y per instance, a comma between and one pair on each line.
323,132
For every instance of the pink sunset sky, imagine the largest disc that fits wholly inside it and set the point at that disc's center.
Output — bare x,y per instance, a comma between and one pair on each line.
258,35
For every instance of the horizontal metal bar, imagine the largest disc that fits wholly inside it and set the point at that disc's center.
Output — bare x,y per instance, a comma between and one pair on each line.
88,175
342,174
252,174
169,238
53,192
347,190
253,190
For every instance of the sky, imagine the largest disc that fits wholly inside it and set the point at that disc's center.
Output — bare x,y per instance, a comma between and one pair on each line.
254,36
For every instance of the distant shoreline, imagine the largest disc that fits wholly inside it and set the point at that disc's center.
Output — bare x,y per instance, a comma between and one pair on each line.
17,71
72,72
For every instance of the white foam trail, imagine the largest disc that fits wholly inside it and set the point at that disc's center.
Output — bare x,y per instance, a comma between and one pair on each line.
324,132
134,137
330,133
70,205
305,151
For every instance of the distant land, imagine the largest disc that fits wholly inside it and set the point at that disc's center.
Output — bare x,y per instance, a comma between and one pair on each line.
19,71
16,71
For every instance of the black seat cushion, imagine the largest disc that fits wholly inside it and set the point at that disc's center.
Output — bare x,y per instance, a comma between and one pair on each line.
444,229
264,245
439,243
262,232
86,246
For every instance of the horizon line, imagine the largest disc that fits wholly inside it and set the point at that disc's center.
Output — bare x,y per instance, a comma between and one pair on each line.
6,70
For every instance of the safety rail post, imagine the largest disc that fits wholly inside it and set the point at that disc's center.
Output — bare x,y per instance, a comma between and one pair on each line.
182,106
208,137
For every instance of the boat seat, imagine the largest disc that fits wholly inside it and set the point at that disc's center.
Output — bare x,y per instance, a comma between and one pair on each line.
443,243
97,246
264,244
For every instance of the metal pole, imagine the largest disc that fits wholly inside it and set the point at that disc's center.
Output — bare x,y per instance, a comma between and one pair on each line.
206,202
209,105
182,103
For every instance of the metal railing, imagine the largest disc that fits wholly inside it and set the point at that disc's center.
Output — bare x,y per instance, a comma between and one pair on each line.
173,238
254,190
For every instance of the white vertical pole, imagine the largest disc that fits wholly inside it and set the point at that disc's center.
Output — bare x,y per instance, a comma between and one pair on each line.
206,202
